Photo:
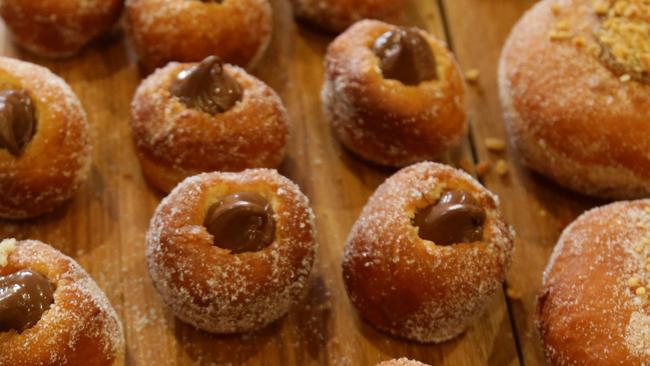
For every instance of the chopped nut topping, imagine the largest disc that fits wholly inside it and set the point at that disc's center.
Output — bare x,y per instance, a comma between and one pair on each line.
472,75
556,9
495,144
633,282
641,291
625,78
501,167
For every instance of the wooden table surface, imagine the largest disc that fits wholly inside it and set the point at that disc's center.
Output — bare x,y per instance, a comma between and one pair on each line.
103,227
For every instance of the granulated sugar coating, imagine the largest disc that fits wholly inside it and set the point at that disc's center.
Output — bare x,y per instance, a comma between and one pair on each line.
80,328
575,114
57,159
594,307
413,288
175,141
208,286
338,15
401,362
179,30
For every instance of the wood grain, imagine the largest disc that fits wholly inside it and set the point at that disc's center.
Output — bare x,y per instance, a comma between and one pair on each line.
103,227
536,207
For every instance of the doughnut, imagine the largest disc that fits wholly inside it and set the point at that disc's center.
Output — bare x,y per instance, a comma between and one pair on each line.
574,83
52,312
593,308
232,252
209,116
337,15
161,31
44,140
393,95
427,253
401,362
58,28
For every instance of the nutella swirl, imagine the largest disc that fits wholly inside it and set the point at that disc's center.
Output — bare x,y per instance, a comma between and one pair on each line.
24,297
207,87
405,55
241,222
17,120
455,218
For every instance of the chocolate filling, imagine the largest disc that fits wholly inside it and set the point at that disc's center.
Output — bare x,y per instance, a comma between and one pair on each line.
24,297
241,222
405,55
207,87
17,120
455,218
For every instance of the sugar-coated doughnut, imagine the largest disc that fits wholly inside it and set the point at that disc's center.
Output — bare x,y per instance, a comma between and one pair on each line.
44,140
161,31
428,251
574,80
232,252
393,95
202,117
593,308
52,312
338,15
58,28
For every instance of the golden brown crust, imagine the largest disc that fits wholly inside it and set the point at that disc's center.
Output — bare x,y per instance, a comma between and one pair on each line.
186,31
81,327
175,142
408,286
383,120
58,28
401,362
590,309
57,159
569,116
213,289
338,15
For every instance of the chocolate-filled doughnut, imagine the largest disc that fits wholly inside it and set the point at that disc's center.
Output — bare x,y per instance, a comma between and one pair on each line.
593,308
393,95
207,116
338,15
44,140
58,28
161,31
52,312
574,80
232,252
428,251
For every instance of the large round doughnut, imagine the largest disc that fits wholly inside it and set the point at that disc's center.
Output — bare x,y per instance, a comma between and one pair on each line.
190,30
593,308
58,28
574,80
412,287
175,141
44,165
79,328
217,289
384,120
338,15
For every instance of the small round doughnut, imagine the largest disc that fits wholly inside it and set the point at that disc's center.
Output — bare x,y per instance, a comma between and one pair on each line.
161,31
428,251
401,362
232,252
208,116
593,308
44,140
393,95
574,81
52,312
338,15
58,28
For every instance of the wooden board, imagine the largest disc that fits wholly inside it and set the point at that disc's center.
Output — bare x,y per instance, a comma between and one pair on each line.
103,227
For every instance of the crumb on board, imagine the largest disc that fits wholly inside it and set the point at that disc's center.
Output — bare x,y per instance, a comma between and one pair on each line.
472,75
501,167
513,294
495,144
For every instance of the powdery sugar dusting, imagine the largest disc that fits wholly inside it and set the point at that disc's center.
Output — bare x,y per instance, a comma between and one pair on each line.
220,292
